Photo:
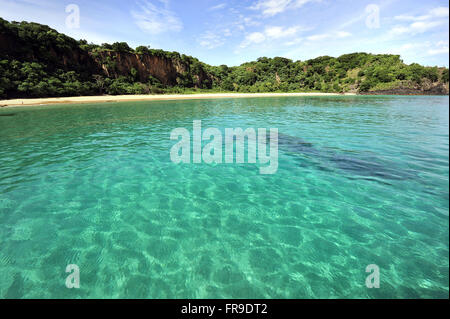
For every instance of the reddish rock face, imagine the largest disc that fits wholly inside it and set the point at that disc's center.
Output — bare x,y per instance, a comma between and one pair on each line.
146,65
164,69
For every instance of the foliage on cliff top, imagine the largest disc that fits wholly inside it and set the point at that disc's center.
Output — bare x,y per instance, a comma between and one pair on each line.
37,61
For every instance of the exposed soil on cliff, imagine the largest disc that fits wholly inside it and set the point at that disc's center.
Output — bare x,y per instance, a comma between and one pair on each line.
167,71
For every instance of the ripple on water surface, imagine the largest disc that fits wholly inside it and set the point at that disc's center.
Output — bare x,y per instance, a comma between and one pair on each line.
361,180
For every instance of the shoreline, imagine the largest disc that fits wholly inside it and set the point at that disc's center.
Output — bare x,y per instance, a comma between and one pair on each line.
162,97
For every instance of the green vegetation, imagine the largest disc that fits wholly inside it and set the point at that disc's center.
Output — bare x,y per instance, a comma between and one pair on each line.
37,61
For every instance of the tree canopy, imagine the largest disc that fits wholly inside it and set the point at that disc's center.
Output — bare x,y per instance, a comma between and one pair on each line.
37,61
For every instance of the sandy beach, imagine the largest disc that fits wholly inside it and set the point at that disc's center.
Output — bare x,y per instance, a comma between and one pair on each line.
124,98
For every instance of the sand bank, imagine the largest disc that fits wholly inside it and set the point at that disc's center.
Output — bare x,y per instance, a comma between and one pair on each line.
124,98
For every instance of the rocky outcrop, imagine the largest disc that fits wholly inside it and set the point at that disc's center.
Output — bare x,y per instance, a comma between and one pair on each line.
161,68
425,88
168,71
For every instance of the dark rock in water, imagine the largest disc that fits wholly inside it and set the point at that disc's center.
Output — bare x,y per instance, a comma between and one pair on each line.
16,290
352,164
294,144
8,114
366,167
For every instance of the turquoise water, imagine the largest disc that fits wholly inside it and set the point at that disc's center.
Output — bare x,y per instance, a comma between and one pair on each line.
93,185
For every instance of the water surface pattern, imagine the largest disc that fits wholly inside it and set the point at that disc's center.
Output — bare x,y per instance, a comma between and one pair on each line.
361,180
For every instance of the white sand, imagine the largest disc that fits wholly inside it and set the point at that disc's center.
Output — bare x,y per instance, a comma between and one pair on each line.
123,98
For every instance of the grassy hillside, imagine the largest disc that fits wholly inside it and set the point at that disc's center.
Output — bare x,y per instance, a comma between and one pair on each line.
37,61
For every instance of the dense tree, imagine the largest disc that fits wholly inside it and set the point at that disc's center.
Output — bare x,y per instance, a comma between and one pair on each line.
42,62
143,49
121,47
445,76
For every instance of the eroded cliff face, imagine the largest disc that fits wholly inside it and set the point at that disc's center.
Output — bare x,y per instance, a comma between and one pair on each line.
73,59
168,71
107,63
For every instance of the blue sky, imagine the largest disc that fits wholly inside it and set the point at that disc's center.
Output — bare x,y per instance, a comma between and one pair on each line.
235,31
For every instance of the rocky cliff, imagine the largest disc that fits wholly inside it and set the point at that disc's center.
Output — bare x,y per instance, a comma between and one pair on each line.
68,57
32,42
37,61
169,71
408,88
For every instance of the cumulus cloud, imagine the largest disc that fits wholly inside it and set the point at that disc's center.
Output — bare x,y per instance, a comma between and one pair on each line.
154,17
255,37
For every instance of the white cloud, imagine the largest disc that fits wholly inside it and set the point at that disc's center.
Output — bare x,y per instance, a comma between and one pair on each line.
440,48
439,12
410,48
411,18
426,48
211,40
249,22
423,23
253,38
242,22
256,37
324,36
271,33
218,7
294,42
437,17
156,19
273,7
280,32
317,37
343,34
417,27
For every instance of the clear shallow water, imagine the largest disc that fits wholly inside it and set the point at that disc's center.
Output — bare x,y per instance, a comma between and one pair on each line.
93,185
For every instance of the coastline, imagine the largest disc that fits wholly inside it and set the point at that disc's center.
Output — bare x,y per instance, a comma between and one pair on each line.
129,98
